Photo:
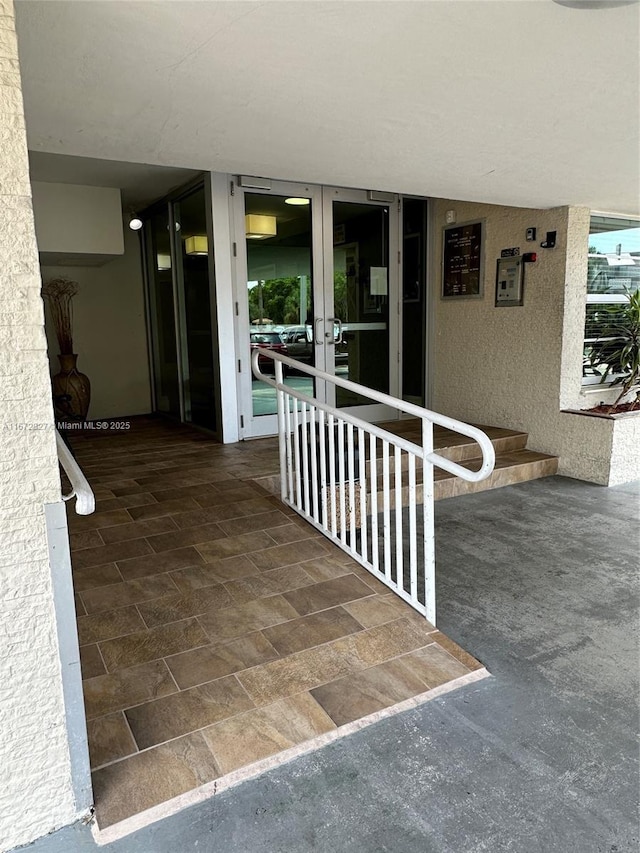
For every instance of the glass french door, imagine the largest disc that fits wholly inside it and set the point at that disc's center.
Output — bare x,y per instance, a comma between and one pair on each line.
360,298
315,281
279,289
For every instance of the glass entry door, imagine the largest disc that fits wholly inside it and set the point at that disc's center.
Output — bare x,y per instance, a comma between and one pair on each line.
180,278
315,282
279,288
361,286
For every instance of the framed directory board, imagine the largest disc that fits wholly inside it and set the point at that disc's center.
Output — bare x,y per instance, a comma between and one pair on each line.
462,260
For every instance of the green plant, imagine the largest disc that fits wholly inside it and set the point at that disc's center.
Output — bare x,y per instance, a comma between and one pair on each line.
616,351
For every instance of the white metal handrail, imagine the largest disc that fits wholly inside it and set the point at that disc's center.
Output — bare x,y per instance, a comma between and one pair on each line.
338,472
85,500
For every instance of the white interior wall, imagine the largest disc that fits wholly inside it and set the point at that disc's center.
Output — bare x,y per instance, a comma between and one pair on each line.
109,332
78,219
518,367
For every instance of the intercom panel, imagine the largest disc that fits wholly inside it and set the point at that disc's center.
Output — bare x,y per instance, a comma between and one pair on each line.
509,280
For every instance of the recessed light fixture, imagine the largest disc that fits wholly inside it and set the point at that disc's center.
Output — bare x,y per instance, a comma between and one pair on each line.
259,226
135,223
299,201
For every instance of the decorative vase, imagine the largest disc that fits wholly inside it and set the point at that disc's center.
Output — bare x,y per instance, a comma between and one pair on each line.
71,390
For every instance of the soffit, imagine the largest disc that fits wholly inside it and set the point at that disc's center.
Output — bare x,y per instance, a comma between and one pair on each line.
139,184
524,103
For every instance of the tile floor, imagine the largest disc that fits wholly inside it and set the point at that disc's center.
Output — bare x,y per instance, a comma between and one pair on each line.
216,627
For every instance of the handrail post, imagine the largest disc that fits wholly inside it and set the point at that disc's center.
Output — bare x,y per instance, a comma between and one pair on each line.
282,446
428,522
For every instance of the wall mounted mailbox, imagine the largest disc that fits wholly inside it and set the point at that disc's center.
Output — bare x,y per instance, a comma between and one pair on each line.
509,281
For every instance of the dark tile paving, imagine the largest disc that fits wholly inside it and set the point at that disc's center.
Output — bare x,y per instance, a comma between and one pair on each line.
209,663
155,564
127,592
320,596
207,612
95,576
91,661
309,631
163,719
159,642
104,694
148,778
111,553
110,738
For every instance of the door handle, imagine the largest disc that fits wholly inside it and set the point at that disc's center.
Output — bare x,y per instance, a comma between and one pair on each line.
335,321
317,341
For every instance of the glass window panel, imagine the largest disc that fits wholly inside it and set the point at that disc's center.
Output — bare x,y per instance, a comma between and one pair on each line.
163,320
361,297
613,271
279,289
193,254
413,300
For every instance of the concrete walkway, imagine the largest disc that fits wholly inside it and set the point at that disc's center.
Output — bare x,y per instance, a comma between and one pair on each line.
540,582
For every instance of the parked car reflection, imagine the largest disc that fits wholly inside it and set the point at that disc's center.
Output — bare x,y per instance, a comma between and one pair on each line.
271,341
299,342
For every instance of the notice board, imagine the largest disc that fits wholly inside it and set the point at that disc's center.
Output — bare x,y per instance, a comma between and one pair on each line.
462,260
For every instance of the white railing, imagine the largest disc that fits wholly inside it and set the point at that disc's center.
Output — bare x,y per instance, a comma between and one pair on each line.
361,485
85,501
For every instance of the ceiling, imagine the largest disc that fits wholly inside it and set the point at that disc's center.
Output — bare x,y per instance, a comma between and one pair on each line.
139,184
519,102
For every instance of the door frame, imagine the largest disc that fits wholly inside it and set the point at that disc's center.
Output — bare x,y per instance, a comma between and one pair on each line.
322,248
250,425
166,206
375,411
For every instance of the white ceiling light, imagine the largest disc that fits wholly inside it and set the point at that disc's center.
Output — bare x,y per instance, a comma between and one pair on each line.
135,223
259,226
299,201
594,4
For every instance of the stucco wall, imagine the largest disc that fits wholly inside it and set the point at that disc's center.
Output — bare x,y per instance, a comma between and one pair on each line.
518,367
35,793
109,332
625,455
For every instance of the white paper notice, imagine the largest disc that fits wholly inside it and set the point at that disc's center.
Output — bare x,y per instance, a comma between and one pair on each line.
379,281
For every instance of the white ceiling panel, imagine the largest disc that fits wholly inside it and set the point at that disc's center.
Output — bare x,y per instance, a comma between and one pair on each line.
521,102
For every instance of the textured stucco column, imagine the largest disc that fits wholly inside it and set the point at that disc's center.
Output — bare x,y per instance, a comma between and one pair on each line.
36,792
520,367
